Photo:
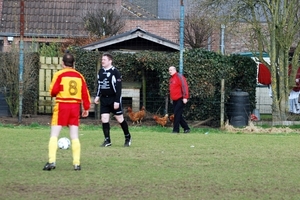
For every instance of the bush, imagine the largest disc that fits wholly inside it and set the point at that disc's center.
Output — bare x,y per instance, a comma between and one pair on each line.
9,80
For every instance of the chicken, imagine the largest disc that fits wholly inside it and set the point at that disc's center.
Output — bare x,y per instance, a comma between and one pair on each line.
161,120
141,114
171,118
134,116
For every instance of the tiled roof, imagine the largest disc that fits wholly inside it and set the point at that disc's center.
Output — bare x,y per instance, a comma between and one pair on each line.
50,18
136,11
131,35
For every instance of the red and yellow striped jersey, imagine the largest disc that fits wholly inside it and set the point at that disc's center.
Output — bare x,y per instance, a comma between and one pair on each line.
69,86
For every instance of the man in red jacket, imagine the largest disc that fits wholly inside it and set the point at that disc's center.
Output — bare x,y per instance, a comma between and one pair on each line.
179,94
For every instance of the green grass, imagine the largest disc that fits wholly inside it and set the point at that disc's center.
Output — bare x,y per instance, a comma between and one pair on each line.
158,165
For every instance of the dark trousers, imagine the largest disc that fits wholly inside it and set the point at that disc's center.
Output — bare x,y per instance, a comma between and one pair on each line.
178,106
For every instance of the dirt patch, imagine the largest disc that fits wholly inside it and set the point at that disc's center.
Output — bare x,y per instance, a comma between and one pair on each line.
28,120
256,129
46,120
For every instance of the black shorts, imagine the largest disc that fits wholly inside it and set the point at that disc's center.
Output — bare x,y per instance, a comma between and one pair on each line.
107,105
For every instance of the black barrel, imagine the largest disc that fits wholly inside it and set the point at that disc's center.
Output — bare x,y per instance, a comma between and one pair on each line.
238,108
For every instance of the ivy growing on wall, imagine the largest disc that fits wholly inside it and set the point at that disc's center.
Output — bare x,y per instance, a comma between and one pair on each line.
86,62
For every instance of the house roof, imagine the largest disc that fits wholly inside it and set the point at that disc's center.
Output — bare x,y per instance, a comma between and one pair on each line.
132,10
48,18
56,18
137,39
251,54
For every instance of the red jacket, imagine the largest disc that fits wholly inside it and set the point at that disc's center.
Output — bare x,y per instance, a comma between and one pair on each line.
297,83
178,87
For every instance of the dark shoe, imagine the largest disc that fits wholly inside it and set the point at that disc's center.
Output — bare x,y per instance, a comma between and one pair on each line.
127,142
106,144
174,132
77,167
49,166
187,130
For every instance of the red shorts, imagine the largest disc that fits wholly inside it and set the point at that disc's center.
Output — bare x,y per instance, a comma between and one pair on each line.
65,114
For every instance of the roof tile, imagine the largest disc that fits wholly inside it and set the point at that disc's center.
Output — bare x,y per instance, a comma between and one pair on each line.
50,17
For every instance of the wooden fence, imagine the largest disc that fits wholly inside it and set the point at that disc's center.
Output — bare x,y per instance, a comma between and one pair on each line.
49,65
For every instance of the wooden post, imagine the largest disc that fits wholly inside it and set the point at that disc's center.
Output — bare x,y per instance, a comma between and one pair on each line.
97,106
222,103
144,88
166,104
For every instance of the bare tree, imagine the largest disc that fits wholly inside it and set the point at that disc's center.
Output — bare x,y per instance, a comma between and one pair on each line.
9,80
103,22
274,27
197,30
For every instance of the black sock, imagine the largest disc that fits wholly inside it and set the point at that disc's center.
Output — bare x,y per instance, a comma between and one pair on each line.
124,127
106,128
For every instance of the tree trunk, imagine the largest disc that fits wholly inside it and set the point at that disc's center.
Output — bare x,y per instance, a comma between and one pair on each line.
144,87
280,87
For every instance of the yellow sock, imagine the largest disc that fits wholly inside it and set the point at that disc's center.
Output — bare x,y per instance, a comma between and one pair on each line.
76,151
52,149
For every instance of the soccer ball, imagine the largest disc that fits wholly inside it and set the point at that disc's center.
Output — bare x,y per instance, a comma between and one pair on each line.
64,143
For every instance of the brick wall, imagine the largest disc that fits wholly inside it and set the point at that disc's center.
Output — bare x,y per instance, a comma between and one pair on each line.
238,38
216,37
163,28
169,29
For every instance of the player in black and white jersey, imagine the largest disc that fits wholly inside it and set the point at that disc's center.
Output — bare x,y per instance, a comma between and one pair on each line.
109,93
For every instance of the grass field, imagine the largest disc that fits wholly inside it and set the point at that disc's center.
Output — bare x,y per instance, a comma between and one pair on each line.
205,164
